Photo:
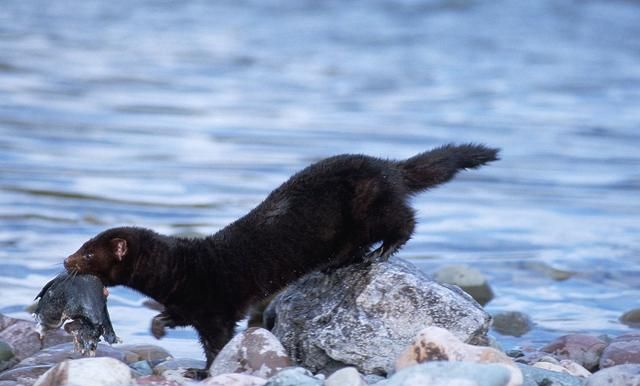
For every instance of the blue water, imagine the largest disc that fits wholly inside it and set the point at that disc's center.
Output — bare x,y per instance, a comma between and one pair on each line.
181,116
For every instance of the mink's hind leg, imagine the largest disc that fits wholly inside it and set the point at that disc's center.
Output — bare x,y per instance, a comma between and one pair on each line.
394,227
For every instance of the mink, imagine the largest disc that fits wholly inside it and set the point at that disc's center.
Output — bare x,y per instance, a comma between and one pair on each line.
330,214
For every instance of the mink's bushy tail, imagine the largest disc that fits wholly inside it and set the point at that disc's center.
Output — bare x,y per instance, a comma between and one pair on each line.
439,165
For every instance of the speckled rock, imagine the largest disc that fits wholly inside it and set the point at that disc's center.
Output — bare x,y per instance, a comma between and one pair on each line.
348,376
580,348
621,375
56,354
234,380
622,350
631,318
87,372
254,351
365,315
155,380
294,376
511,323
148,352
24,375
452,374
537,377
21,335
469,279
438,344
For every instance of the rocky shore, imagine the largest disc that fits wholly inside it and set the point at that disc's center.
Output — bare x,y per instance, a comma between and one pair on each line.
384,324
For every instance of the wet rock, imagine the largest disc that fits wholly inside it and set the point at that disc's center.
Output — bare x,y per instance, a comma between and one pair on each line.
141,368
621,375
631,318
21,335
469,279
295,376
582,349
7,358
453,373
178,364
372,379
564,366
438,344
512,323
56,354
24,375
547,270
234,380
540,377
87,372
255,351
622,350
347,376
9,383
365,315
148,352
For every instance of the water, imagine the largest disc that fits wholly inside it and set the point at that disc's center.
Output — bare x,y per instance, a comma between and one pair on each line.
182,116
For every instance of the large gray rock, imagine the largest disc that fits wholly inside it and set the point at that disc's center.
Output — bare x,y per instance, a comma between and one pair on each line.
365,315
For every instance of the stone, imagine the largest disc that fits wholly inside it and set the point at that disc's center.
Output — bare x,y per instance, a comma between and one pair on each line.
438,344
141,368
469,279
56,354
21,335
348,376
364,315
180,364
623,349
103,371
580,348
534,376
147,352
234,380
7,357
620,375
9,383
24,375
155,380
631,318
564,366
453,374
294,376
254,351
372,379
511,323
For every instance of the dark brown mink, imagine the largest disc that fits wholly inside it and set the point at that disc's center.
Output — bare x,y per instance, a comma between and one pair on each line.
329,214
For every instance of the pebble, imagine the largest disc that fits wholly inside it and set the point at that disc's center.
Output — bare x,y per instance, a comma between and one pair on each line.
234,380
534,376
254,351
348,376
565,366
469,279
148,352
57,354
621,375
141,368
87,372
580,348
438,344
622,350
7,357
177,364
512,323
453,373
631,318
294,376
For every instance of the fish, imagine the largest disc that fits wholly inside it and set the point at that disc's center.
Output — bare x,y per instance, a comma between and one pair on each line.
78,303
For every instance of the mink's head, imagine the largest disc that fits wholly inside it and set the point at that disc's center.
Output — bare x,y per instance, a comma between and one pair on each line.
107,255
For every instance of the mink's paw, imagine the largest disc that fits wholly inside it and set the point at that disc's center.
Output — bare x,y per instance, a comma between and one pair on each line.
158,325
196,374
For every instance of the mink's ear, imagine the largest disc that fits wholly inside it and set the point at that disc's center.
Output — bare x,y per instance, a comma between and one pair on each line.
119,248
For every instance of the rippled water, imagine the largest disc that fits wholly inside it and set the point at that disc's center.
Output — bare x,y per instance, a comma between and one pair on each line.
182,116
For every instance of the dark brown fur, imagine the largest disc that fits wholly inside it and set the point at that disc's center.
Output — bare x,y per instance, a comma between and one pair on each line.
327,215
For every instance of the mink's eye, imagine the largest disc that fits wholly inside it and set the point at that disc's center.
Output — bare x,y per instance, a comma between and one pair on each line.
88,256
